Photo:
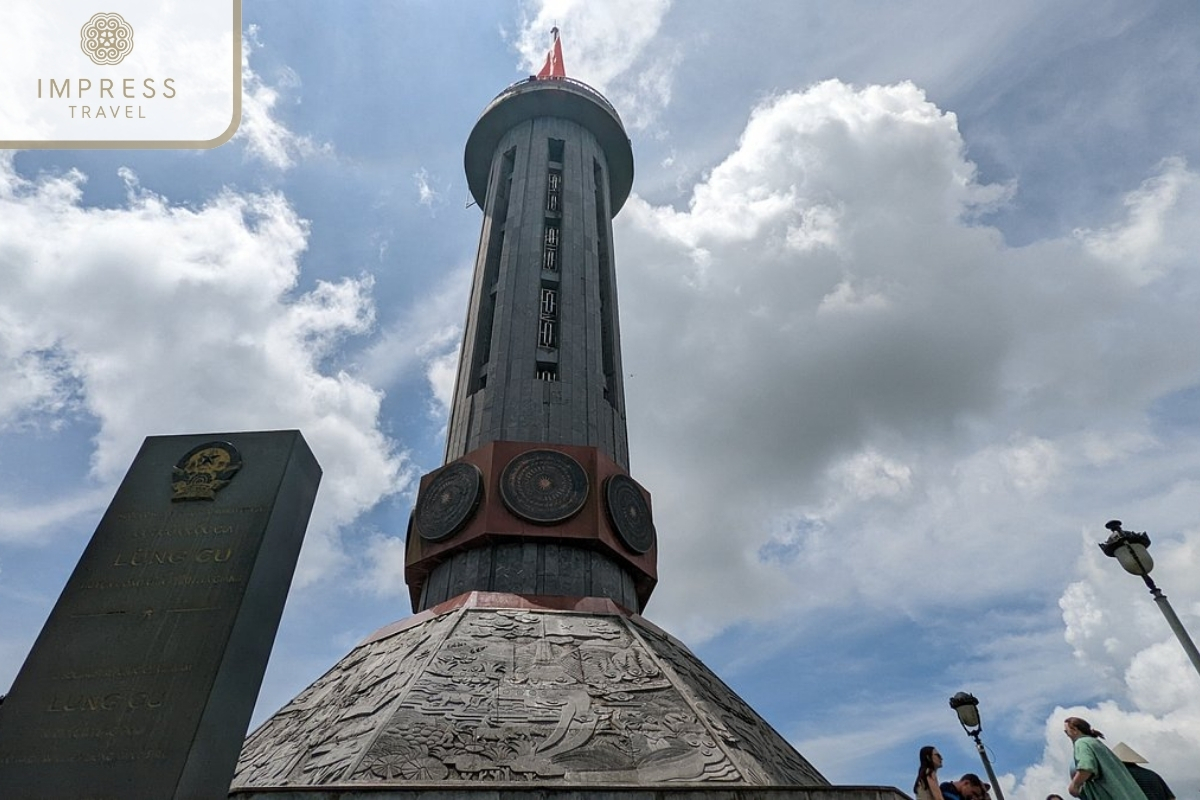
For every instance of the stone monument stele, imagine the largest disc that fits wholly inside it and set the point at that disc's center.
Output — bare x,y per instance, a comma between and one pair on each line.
143,680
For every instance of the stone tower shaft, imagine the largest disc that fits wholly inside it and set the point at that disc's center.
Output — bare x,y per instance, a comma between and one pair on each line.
535,497
550,165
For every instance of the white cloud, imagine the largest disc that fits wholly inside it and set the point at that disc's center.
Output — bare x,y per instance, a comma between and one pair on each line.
1136,247
606,45
38,384
23,521
421,339
441,372
730,324
426,194
605,39
1161,679
170,319
384,575
903,382
267,138
871,474
1032,465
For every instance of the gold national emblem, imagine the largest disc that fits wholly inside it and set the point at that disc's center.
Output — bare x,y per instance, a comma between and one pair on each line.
106,38
204,471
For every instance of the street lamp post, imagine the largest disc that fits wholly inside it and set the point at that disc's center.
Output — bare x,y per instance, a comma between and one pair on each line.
967,708
1129,548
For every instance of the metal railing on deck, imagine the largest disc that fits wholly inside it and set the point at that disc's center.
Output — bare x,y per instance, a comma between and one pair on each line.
580,86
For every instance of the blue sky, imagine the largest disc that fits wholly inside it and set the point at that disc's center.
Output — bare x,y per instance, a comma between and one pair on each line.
908,300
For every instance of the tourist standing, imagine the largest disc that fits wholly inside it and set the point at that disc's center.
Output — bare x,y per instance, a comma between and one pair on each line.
1099,775
926,786
1154,787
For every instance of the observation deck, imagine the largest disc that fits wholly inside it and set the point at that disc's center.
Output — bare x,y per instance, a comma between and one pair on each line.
550,97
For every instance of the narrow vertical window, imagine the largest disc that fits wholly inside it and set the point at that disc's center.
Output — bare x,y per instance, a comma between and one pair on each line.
554,191
550,246
548,319
487,276
546,333
608,311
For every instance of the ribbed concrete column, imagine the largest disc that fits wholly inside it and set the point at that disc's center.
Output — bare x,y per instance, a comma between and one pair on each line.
541,356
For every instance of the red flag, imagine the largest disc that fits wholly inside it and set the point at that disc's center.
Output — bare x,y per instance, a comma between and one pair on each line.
553,68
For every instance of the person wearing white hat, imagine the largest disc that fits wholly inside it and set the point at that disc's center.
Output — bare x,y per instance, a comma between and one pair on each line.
1150,781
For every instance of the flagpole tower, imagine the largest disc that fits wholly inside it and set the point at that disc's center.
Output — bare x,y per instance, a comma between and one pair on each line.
528,669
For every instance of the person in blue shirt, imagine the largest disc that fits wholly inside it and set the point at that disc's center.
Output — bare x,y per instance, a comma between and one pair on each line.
968,787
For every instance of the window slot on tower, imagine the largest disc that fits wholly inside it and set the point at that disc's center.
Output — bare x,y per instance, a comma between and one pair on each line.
547,332
554,191
548,318
487,278
550,246
608,311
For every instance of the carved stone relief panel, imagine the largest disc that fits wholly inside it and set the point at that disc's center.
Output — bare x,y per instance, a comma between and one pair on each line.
524,696
316,737
759,750
503,695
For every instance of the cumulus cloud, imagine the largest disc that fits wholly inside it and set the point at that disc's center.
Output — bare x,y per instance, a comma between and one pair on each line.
841,378
835,364
1138,247
154,318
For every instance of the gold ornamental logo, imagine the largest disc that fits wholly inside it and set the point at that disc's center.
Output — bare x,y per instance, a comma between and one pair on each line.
205,470
106,38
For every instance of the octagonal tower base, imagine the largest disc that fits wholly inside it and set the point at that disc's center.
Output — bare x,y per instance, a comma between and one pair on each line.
512,696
